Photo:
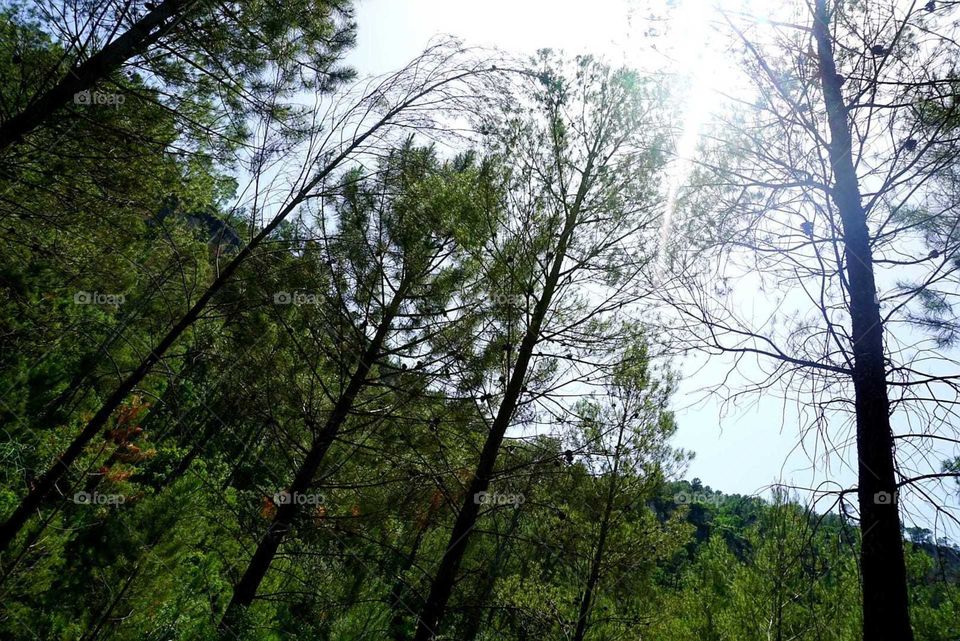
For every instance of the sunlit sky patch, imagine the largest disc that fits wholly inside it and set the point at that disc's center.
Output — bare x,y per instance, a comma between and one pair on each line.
752,446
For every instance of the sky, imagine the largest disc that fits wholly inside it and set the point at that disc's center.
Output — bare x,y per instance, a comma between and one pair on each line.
742,450
393,30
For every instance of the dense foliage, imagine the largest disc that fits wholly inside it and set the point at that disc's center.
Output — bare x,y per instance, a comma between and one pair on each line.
398,392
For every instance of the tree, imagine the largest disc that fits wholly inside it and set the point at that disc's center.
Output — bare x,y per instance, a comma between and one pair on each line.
436,78
409,377
582,161
885,610
625,442
384,267
812,198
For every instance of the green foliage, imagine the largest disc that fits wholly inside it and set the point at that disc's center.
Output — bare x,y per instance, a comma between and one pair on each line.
108,238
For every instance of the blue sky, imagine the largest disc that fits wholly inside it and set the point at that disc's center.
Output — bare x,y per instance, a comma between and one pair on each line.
744,449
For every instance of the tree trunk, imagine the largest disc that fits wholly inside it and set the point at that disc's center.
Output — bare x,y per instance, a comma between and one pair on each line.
93,633
133,42
246,588
397,605
586,602
442,585
188,460
885,606
472,626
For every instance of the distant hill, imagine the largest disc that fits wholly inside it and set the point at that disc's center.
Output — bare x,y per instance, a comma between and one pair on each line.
731,515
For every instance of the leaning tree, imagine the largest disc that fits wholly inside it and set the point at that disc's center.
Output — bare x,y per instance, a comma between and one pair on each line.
582,145
356,124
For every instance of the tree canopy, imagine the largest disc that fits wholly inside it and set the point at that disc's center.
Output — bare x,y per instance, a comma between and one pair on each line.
285,354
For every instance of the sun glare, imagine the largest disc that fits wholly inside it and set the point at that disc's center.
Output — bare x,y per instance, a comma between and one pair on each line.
693,53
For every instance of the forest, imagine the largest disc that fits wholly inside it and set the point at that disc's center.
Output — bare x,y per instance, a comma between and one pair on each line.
294,350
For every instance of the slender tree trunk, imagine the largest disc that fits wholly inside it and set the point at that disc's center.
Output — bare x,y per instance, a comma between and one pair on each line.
435,606
90,486
780,569
885,606
238,455
94,632
586,601
397,605
246,588
188,460
133,42
32,501
472,626
56,409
